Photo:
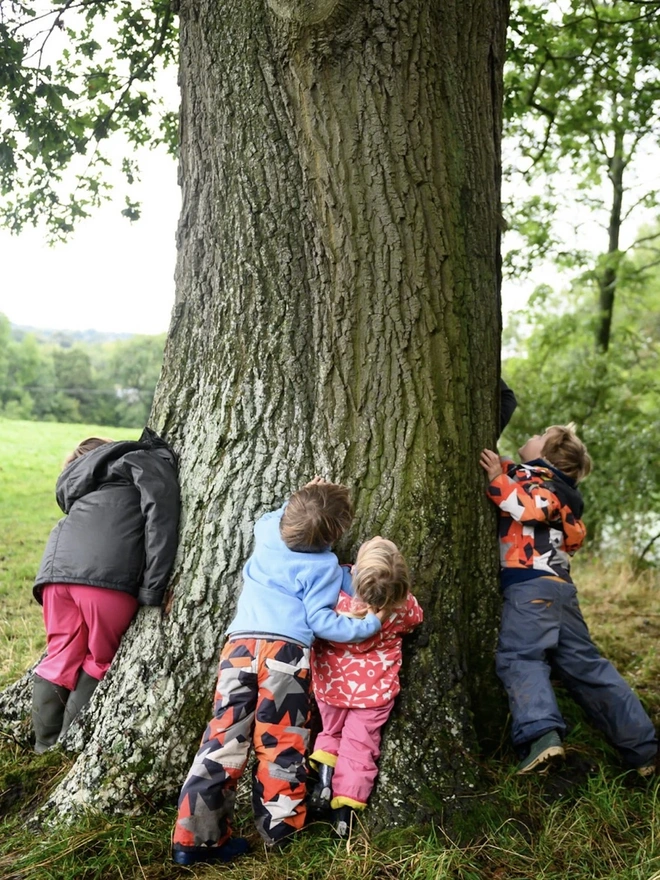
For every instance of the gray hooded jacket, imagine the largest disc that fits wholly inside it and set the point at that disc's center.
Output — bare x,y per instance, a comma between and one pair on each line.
121,529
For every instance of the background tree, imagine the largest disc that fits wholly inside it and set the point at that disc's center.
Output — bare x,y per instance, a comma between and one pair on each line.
559,376
54,376
73,373
337,312
583,97
133,367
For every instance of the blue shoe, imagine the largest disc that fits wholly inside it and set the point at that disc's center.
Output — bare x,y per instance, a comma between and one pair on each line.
192,855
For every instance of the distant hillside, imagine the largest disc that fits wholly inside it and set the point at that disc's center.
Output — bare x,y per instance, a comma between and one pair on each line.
66,338
77,376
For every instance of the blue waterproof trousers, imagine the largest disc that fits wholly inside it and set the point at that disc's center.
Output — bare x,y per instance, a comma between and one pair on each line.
543,628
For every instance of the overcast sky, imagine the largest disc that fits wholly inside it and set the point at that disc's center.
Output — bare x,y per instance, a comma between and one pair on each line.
110,275
113,275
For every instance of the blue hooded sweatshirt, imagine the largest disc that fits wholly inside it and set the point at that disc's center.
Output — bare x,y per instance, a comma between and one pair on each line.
292,595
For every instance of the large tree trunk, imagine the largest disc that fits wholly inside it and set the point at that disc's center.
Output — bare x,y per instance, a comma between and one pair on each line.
338,313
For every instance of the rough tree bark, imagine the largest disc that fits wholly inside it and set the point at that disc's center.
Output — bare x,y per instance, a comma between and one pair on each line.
337,312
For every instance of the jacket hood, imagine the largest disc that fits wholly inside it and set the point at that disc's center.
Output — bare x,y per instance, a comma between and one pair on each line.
85,474
565,486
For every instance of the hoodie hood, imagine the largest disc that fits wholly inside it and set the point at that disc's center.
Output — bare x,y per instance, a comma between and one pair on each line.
85,474
565,486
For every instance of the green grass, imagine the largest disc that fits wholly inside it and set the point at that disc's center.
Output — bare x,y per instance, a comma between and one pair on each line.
31,456
589,821
597,826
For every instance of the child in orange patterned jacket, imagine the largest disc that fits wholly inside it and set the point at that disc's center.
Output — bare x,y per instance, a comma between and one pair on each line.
290,584
539,509
355,684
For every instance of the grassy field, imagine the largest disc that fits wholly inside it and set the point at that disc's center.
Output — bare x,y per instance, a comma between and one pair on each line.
588,821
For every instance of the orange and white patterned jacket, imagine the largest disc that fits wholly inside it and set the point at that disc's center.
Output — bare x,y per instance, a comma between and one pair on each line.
539,520
361,675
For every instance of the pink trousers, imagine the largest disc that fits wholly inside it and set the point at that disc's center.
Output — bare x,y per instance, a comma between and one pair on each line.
353,735
84,626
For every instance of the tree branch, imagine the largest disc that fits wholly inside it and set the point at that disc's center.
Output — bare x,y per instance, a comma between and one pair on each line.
648,546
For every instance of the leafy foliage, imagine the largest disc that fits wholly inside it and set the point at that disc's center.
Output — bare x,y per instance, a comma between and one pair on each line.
582,106
588,73
71,74
613,397
108,383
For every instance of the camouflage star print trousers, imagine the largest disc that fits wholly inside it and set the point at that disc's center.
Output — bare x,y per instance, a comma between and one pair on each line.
262,697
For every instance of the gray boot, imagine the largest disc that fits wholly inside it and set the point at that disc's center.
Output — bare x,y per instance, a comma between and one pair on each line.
48,703
78,699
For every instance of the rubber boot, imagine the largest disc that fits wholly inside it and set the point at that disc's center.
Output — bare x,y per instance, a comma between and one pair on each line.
319,799
78,699
342,820
192,855
48,704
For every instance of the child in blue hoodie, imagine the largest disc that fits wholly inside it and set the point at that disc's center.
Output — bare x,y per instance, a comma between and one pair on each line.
291,583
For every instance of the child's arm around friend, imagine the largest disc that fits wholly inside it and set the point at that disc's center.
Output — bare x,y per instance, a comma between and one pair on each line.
319,600
315,517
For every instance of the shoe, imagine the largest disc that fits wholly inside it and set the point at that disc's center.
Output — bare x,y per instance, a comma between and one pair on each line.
192,855
321,795
279,845
647,770
48,703
541,752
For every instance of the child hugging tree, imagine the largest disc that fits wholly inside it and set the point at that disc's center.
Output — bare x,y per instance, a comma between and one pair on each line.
355,684
290,586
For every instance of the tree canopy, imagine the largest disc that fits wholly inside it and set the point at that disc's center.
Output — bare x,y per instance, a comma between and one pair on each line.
72,74
583,109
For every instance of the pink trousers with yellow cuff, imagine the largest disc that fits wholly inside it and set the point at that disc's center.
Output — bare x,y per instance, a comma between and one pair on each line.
350,741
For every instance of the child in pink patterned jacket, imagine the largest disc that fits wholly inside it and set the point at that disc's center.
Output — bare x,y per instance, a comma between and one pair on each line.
355,684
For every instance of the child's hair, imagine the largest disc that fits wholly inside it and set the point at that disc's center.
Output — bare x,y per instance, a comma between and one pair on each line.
564,449
380,575
86,446
316,516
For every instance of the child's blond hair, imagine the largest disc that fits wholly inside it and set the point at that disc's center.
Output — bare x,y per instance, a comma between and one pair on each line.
380,575
316,516
564,449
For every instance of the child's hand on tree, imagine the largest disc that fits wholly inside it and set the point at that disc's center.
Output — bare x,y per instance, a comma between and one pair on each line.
316,481
490,462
